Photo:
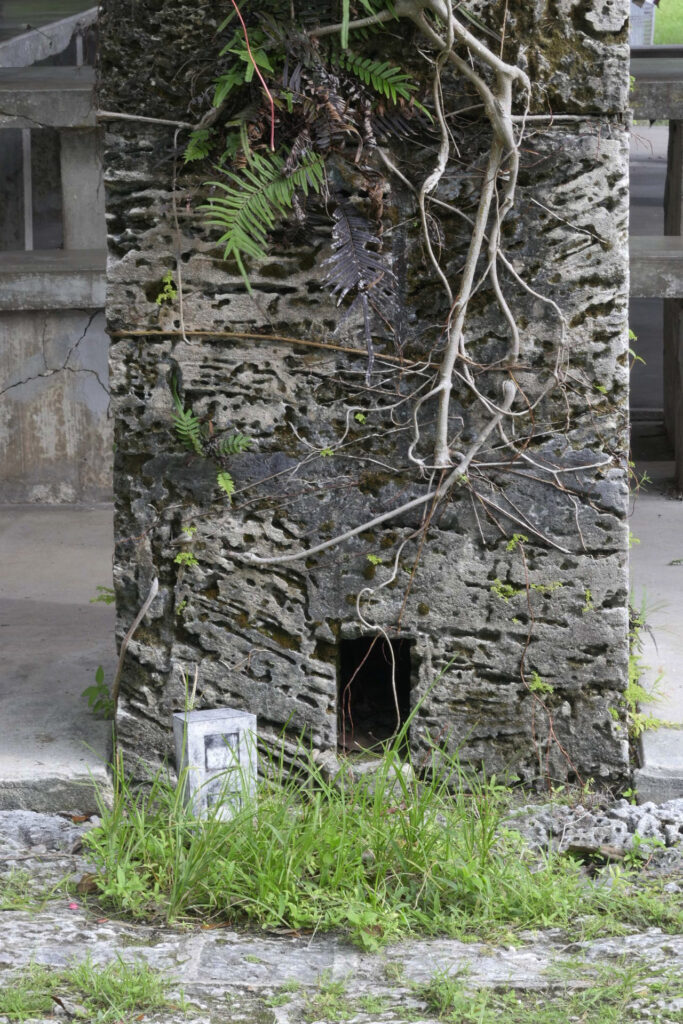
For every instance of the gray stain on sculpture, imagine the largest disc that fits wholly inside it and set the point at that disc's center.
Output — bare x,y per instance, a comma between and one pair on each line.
485,619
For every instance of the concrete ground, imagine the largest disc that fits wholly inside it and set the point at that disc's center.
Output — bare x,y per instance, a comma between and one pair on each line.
657,589
282,976
657,518
52,640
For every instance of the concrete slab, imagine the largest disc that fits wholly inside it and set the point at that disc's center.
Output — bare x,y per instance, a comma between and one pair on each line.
47,97
657,587
53,279
52,640
44,42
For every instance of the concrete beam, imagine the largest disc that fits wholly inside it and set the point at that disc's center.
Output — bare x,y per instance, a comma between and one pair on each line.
658,87
47,41
47,97
53,279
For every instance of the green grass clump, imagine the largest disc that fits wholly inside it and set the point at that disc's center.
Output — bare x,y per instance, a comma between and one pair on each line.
115,992
608,995
669,23
15,891
389,855
19,890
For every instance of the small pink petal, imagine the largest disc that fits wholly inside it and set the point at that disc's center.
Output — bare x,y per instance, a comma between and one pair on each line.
73,906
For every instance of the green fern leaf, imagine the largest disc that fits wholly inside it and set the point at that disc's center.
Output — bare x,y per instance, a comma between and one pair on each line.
253,201
385,78
198,146
235,444
226,483
187,426
346,17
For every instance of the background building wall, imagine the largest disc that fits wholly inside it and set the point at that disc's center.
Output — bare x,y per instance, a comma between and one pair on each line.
55,432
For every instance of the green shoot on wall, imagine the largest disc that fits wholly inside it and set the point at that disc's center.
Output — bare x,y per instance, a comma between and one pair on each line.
195,438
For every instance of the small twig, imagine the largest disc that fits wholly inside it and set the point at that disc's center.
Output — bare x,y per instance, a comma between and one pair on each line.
246,336
113,115
153,590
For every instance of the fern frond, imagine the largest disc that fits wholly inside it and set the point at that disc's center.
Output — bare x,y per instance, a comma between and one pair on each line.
355,268
198,146
352,264
234,444
372,8
187,426
253,201
346,17
385,78
226,483
188,429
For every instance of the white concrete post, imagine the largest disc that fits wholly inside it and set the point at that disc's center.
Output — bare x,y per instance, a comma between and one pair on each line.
216,759
82,190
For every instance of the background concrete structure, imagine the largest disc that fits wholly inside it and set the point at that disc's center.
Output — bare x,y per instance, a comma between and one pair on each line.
55,433
657,259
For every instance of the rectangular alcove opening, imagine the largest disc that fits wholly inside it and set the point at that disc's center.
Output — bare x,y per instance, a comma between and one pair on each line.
367,714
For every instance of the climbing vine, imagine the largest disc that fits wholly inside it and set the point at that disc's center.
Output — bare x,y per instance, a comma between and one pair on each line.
334,114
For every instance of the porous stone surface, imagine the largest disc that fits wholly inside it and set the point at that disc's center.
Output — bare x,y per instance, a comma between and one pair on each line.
48,846
550,39
519,654
654,831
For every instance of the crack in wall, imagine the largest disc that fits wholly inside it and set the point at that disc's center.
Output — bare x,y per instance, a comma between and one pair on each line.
32,123
52,371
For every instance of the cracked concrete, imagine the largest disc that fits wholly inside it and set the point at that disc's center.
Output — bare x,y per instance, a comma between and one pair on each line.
54,406
44,97
49,371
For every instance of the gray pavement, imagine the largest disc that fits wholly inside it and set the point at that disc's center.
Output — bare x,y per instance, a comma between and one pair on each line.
52,640
657,589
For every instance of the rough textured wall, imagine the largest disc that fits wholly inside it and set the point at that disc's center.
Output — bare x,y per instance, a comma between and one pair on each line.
505,618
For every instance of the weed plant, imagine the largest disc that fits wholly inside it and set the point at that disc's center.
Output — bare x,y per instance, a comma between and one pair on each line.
385,855
102,994
19,890
602,995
